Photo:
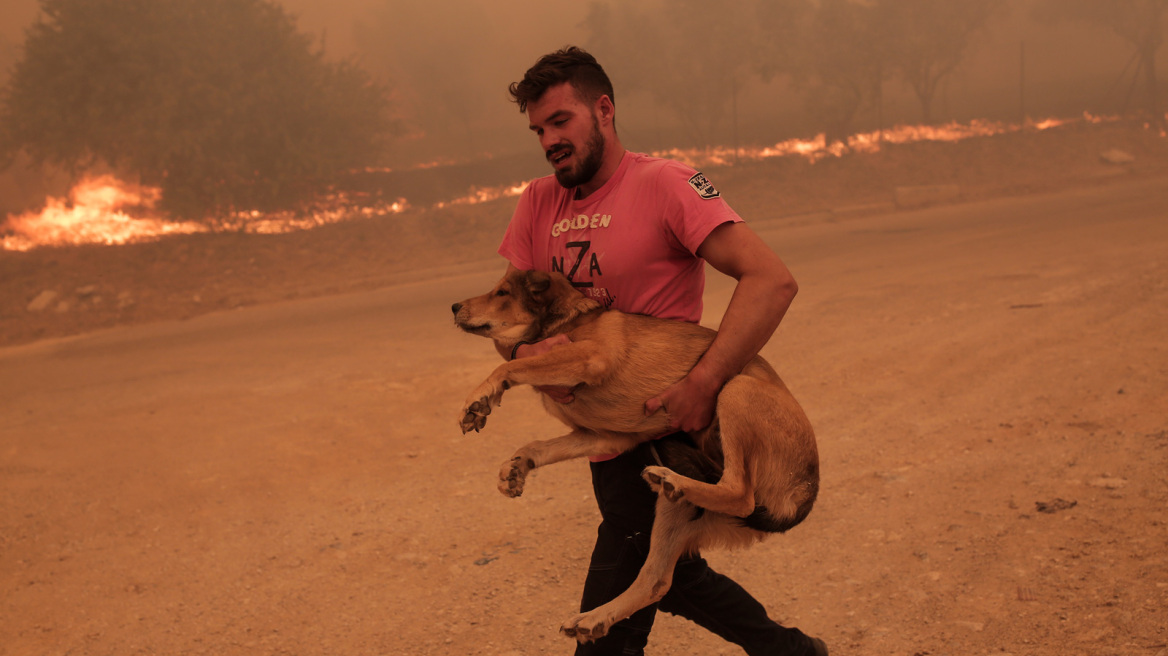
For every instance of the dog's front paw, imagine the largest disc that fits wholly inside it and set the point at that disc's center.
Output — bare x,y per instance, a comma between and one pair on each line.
587,627
663,480
474,416
513,475
478,405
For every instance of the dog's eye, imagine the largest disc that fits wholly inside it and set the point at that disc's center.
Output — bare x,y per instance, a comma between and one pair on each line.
502,292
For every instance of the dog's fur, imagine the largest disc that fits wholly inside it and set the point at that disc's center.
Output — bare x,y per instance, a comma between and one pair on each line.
760,441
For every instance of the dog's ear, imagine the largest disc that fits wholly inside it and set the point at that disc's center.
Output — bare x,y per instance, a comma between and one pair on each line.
565,301
553,300
537,282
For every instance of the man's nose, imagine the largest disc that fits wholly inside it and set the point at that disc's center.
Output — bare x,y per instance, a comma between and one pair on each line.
549,141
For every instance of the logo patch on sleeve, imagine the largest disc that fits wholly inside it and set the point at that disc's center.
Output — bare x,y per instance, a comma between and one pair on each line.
704,187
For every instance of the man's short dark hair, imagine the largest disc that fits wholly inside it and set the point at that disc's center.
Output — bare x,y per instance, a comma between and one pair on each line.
570,64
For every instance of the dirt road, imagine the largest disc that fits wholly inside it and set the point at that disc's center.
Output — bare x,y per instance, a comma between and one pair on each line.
989,383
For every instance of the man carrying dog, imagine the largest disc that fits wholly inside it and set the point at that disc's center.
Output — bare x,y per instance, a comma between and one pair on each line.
634,232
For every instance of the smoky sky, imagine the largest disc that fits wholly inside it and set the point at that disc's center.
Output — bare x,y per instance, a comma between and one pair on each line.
448,64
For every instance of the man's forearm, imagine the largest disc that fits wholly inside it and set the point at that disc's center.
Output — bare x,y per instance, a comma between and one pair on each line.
756,308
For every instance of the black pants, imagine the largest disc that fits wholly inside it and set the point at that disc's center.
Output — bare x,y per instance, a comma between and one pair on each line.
699,594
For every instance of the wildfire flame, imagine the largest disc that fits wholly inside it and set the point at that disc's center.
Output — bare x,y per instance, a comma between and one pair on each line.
485,194
333,209
105,210
817,148
95,215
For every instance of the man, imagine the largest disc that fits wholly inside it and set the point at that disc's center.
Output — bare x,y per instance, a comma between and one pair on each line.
634,232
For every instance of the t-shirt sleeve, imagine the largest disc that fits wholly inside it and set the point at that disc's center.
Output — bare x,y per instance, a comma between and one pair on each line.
517,240
692,206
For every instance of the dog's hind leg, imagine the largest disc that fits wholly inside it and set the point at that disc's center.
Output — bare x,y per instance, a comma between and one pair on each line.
540,453
673,531
739,406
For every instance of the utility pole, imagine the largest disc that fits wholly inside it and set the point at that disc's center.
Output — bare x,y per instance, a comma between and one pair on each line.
879,88
1022,85
734,111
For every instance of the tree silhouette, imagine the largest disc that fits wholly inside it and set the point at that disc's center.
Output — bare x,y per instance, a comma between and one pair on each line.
1140,22
221,103
442,77
930,38
691,56
841,63
7,58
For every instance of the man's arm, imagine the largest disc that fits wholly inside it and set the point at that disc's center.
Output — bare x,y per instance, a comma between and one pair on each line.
764,292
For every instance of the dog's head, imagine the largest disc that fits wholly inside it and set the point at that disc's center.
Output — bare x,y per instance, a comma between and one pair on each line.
524,305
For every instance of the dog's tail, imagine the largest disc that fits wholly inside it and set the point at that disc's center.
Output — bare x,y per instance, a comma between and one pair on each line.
763,519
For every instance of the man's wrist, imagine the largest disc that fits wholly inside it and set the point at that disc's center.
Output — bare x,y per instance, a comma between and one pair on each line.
707,375
515,349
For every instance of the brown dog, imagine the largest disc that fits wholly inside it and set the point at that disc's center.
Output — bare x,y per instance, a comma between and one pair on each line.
759,454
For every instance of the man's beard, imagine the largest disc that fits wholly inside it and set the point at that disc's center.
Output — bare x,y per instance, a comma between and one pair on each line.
588,167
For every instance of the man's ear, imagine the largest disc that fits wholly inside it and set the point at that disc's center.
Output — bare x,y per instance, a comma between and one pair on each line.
605,109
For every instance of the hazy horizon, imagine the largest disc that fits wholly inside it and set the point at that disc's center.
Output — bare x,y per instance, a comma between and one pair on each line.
449,65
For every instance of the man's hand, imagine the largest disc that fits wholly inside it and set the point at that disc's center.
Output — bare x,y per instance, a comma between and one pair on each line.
558,394
689,403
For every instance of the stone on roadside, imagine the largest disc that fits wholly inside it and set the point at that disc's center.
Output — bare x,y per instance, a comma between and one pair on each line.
1107,482
43,301
1116,156
1051,507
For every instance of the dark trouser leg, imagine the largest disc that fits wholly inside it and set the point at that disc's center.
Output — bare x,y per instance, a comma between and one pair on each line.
616,560
718,604
627,507
699,594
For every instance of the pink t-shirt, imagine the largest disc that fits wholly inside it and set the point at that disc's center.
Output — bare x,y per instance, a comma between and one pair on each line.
632,244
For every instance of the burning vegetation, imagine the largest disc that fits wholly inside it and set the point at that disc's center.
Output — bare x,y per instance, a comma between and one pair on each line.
221,104
105,210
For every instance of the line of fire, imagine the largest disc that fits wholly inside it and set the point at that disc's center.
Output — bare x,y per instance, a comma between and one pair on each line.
110,211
